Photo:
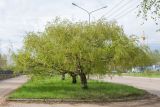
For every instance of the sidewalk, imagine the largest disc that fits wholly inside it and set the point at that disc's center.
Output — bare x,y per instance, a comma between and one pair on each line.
9,85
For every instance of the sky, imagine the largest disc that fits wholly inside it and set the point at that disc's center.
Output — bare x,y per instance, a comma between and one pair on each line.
17,17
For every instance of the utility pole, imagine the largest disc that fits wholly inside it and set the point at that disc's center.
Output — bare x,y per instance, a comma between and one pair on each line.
89,12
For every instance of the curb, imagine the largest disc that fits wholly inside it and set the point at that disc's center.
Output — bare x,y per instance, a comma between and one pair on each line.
49,101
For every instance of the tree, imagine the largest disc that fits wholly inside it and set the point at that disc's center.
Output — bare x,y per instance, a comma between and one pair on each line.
79,49
3,61
150,8
156,56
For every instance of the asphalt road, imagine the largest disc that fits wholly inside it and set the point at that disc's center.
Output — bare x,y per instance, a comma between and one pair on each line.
151,85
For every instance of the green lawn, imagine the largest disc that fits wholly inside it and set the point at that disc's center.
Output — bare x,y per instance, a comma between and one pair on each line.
55,88
144,74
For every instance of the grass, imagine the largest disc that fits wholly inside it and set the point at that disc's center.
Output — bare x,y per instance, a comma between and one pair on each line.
144,74
55,88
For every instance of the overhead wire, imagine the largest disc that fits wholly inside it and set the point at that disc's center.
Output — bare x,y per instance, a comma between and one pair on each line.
126,13
113,8
116,8
123,10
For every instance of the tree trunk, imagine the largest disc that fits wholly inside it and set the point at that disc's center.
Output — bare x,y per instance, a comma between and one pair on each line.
81,73
74,79
63,76
83,80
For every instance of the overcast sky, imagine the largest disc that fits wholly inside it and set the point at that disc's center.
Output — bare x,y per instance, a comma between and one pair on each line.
20,16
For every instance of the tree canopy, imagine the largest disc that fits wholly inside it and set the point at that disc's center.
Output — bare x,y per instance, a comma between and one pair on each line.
150,8
80,49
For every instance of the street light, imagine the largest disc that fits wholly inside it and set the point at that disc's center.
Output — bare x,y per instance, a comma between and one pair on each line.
89,12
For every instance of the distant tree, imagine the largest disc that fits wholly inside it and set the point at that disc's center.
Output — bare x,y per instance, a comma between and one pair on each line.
3,61
79,49
156,56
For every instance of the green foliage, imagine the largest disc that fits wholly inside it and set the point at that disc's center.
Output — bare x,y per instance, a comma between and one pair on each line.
155,57
65,46
150,8
3,61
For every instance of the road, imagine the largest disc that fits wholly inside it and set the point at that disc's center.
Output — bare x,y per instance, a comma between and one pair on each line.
151,85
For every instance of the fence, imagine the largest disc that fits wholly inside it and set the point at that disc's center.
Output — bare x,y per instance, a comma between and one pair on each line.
5,74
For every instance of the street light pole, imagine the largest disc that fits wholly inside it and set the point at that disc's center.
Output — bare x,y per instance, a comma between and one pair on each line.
89,21
89,12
